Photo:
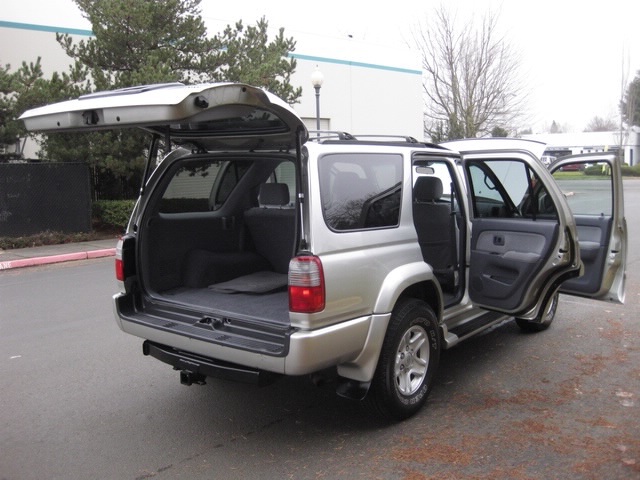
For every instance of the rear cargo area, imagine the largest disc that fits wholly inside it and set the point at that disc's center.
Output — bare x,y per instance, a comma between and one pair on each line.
218,238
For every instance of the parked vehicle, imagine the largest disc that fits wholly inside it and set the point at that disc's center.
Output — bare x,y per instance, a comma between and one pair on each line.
256,250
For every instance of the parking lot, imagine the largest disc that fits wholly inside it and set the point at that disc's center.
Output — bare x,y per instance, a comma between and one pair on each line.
79,400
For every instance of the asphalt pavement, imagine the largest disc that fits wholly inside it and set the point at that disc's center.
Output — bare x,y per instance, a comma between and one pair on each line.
48,254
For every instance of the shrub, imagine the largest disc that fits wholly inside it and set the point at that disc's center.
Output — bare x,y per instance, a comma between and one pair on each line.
113,213
628,171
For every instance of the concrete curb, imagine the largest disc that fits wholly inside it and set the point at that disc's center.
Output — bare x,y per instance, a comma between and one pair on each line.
66,257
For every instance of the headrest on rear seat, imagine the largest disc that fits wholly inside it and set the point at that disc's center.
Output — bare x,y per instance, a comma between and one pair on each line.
273,194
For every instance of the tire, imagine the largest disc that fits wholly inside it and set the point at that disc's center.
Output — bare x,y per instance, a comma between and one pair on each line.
544,319
408,361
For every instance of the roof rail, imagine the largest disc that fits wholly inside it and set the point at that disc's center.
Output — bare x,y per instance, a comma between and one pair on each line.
386,138
336,137
320,135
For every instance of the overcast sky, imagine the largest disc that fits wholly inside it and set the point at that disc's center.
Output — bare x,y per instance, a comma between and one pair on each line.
574,54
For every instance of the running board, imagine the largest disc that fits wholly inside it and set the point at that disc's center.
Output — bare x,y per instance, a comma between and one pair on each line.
471,327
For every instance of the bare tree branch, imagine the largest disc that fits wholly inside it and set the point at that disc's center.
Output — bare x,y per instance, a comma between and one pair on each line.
471,77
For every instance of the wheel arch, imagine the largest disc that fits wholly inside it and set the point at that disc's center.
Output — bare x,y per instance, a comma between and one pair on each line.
414,280
409,281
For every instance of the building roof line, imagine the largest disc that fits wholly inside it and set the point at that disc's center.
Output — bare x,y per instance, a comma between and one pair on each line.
337,61
45,28
313,58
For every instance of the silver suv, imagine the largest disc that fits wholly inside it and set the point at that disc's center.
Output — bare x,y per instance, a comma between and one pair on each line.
258,250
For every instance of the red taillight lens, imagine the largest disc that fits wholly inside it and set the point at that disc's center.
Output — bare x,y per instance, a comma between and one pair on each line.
119,269
125,258
306,285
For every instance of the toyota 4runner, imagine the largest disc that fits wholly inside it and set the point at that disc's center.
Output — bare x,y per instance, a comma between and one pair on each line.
257,249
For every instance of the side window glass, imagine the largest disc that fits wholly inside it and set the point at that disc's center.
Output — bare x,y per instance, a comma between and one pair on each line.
508,188
488,200
361,191
587,187
190,188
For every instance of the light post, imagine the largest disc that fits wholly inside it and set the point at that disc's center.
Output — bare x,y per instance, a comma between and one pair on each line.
316,80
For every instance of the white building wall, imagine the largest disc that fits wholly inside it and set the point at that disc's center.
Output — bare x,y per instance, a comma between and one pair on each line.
587,142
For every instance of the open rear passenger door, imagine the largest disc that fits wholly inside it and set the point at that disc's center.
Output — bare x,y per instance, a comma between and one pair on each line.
524,241
592,186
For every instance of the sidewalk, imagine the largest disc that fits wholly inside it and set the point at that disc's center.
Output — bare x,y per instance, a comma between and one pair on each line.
30,257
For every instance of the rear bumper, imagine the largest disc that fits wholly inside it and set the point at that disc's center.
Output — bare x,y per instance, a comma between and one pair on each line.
307,351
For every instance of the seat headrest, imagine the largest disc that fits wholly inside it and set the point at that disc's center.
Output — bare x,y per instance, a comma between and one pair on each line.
427,189
273,194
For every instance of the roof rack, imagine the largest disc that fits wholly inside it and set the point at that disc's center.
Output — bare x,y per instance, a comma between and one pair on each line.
337,137
321,135
387,138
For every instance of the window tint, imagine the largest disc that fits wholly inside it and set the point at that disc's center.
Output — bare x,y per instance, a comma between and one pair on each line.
587,189
508,188
285,173
190,188
361,190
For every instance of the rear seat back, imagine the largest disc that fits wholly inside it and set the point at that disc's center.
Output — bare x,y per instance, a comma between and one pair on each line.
272,225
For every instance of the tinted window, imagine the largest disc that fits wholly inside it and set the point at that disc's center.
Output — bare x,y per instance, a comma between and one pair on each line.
285,173
190,188
361,190
508,188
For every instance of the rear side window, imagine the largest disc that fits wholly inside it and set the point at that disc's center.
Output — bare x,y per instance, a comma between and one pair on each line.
285,173
361,191
201,186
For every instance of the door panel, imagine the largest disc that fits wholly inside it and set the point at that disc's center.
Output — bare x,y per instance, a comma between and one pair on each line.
520,245
593,235
505,256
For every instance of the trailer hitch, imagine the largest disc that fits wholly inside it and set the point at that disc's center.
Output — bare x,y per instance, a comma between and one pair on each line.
189,378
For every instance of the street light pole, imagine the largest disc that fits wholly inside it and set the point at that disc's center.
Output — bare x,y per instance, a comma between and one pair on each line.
316,80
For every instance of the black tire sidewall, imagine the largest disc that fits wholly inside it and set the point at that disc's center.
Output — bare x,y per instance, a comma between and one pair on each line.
390,400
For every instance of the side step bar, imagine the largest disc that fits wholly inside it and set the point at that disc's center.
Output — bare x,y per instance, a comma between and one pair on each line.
194,368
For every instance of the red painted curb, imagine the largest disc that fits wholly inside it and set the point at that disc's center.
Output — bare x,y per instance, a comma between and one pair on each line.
67,257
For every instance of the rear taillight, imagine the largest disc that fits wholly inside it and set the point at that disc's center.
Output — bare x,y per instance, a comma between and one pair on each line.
125,258
119,269
306,285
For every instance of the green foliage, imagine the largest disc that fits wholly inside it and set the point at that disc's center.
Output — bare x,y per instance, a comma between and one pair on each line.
49,237
27,88
628,171
249,58
113,213
499,132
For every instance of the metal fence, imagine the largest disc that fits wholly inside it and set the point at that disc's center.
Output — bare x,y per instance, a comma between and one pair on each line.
36,197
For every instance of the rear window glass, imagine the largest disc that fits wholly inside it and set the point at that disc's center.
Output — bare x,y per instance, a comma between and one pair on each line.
361,191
